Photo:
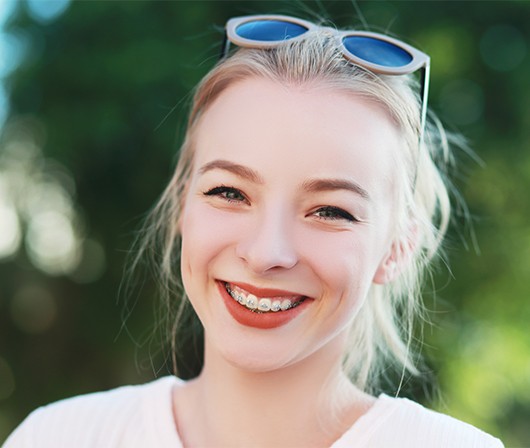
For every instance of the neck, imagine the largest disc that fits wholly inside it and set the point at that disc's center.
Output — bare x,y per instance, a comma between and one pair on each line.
309,403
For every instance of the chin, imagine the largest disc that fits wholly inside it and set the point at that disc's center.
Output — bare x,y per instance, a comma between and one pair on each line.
255,358
254,365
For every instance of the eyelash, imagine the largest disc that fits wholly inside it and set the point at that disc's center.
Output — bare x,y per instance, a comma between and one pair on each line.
336,212
223,192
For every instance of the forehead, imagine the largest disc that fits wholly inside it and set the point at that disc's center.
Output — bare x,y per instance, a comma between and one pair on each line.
301,130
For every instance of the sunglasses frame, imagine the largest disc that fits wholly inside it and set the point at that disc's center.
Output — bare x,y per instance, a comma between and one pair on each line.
419,60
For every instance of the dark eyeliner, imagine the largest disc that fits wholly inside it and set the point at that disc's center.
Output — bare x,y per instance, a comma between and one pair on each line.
223,192
341,213
218,190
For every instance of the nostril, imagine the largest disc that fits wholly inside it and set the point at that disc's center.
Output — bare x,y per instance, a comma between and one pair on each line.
269,243
262,256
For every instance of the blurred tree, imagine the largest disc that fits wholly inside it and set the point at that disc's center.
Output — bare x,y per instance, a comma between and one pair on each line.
97,111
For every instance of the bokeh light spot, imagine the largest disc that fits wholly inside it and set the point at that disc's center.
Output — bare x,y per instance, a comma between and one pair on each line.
4,106
12,50
503,47
451,46
6,10
45,195
51,243
37,196
10,234
45,11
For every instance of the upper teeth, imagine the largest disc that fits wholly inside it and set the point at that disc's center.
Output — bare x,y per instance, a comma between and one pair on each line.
260,305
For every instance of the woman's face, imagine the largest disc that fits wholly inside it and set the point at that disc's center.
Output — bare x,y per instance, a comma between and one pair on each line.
288,210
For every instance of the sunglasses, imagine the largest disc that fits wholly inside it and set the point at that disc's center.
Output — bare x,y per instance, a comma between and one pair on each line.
373,51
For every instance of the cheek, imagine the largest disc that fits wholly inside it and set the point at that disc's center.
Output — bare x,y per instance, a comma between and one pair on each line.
205,233
347,265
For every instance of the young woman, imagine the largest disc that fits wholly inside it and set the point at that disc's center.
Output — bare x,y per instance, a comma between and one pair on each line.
304,209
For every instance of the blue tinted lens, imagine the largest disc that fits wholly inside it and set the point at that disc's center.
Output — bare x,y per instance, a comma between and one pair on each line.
377,51
270,30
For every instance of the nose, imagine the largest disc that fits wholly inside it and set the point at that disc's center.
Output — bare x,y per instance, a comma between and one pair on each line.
269,244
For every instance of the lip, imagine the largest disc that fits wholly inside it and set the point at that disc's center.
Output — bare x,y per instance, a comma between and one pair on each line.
264,321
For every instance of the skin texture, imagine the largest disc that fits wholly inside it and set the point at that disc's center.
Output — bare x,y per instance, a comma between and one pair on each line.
291,190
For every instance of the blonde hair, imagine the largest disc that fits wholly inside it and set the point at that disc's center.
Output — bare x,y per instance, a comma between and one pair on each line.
382,333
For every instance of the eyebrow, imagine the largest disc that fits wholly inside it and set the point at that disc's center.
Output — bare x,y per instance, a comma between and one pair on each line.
317,185
311,186
239,170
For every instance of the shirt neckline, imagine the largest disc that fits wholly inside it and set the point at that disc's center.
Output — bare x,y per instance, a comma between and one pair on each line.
368,423
165,429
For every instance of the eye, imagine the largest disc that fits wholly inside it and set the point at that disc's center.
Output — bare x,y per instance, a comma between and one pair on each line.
230,194
331,213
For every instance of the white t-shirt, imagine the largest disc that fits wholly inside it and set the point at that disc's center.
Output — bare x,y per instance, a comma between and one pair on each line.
142,416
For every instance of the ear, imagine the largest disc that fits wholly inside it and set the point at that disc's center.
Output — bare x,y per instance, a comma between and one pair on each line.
388,268
398,258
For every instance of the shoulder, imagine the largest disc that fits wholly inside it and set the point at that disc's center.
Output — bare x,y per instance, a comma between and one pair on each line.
416,426
96,419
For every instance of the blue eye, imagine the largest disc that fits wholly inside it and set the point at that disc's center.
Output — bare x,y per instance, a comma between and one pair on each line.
230,194
334,213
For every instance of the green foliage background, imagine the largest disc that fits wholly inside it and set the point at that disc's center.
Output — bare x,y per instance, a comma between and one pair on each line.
102,91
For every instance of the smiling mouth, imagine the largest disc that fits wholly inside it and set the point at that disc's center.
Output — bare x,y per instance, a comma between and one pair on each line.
262,305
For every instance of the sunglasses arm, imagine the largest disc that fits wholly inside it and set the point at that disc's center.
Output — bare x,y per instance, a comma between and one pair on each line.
425,73
424,94
225,47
